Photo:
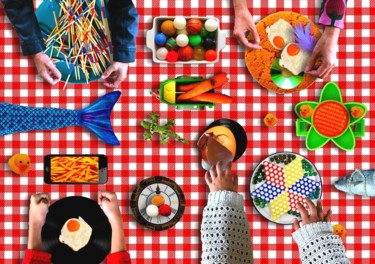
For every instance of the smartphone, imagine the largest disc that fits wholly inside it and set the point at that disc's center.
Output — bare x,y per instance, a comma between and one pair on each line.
75,169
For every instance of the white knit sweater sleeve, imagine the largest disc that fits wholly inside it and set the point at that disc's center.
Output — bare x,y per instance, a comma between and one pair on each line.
319,245
225,230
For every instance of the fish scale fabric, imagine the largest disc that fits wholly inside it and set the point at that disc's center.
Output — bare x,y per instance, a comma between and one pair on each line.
15,118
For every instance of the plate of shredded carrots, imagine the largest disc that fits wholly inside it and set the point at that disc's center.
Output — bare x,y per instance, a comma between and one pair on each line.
74,169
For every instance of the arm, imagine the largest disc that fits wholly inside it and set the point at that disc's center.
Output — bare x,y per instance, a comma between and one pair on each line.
224,230
316,241
37,216
109,204
244,24
124,29
21,15
323,58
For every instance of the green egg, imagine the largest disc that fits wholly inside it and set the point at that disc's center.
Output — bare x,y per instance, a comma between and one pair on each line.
203,32
195,40
171,44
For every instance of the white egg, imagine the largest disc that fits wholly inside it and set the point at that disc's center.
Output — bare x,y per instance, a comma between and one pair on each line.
280,34
211,25
294,58
161,53
75,233
152,210
179,22
182,40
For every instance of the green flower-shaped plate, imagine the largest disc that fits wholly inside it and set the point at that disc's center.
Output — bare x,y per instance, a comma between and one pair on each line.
330,119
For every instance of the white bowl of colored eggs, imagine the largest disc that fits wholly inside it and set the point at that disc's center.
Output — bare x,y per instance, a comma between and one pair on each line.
185,40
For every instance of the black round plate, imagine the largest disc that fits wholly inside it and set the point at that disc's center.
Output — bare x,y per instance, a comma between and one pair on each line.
72,207
238,132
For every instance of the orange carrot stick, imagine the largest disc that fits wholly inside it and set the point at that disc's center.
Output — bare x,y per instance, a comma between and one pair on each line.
204,86
186,87
211,98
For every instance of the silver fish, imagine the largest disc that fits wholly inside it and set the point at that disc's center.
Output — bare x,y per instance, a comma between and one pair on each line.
361,182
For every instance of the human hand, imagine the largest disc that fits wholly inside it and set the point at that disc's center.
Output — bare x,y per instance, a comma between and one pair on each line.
316,214
39,203
244,25
217,180
115,74
109,204
46,68
325,50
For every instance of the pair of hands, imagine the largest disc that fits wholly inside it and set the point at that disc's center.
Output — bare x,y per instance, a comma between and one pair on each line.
219,180
112,77
40,202
325,49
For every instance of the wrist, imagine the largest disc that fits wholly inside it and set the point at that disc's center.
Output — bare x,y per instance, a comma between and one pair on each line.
331,31
35,239
239,5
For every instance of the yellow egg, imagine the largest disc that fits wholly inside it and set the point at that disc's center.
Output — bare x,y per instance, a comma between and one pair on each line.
280,34
75,233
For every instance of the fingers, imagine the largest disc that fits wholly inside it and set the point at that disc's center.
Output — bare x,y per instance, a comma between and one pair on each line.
319,210
327,218
312,208
235,179
213,172
106,196
296,224
115,74
302,210
54,73
108,72
310,65
40,197
228,170
207,177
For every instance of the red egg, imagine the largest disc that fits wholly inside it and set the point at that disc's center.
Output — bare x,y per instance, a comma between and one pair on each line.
165,210
185,53
172,56
211,55
194,26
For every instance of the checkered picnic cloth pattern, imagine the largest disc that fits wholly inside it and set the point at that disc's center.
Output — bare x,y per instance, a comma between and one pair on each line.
137,159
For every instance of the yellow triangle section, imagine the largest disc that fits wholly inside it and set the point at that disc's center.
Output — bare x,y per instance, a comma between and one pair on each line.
293,172
169,92
279,206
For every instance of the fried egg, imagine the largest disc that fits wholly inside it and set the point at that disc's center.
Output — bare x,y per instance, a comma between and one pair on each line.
75,233
280,34
294,59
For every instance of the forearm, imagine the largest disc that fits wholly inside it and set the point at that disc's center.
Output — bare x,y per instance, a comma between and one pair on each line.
21,15
35,238
124,28
118,240
224,218
239,5
317,244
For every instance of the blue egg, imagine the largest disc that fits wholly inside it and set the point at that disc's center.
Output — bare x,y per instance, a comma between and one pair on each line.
160,39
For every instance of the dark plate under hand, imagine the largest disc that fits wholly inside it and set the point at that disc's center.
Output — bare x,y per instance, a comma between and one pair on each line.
99,244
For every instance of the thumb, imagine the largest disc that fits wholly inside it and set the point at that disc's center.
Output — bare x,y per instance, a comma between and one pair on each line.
296,225
311,63
108,72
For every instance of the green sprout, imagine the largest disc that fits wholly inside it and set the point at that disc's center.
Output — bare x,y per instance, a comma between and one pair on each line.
163,130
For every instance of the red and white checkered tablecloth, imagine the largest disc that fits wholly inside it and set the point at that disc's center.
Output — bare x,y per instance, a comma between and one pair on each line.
137,159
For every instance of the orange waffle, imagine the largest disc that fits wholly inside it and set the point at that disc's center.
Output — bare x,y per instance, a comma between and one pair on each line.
331,119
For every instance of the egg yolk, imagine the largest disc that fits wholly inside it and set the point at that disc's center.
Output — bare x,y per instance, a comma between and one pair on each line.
293,50
278,42
73,225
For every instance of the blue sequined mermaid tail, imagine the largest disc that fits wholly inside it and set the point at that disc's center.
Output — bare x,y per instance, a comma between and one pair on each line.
95,117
